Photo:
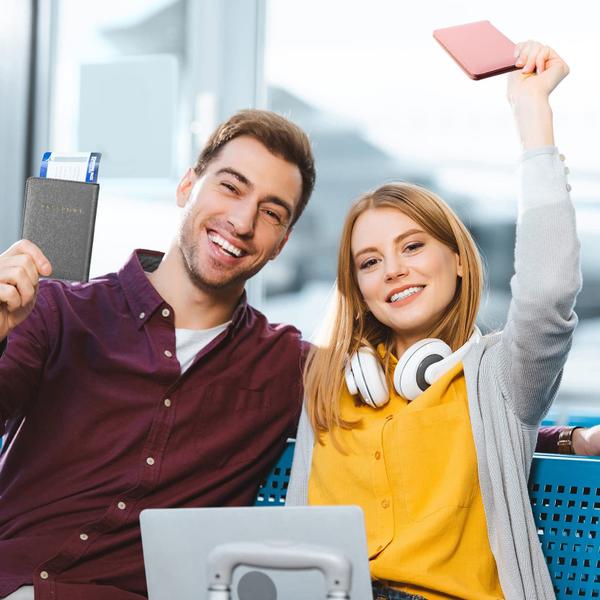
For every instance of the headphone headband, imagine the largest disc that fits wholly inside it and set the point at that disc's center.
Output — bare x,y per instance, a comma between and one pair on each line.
435,371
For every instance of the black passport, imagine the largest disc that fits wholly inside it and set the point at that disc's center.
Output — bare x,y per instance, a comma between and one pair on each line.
60,216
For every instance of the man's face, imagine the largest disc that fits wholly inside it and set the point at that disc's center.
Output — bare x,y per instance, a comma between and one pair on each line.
237,214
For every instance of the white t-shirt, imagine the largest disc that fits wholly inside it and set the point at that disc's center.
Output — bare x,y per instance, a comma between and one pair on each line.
188,342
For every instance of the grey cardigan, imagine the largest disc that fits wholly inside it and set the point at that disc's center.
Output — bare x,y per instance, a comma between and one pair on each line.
512,377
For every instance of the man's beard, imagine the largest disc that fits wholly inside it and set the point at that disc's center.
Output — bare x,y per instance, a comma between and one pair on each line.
234,278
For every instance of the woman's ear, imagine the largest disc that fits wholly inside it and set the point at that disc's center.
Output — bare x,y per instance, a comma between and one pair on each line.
459,269
185,187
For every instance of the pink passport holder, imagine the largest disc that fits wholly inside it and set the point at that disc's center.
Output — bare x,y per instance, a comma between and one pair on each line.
478,48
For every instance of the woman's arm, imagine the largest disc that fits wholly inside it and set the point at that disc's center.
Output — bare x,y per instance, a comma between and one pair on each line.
529,90
297,492
537,336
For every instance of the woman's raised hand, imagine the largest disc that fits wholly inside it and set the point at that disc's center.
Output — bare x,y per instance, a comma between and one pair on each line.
542,69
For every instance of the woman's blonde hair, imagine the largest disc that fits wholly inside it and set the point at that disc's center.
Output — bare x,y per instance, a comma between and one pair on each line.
351,325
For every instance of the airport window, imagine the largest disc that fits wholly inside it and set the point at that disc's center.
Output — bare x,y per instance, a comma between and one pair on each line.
382,101
144,82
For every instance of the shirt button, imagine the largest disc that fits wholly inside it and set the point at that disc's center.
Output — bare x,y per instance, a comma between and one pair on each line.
166,312
83,537
562,157
44,575
167,402
385,503
168,353
377,455
121,505
142,315
569,188
150,461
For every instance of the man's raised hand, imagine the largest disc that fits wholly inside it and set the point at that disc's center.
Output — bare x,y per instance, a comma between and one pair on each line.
20,269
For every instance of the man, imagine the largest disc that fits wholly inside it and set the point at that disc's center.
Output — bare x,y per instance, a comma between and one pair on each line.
154,386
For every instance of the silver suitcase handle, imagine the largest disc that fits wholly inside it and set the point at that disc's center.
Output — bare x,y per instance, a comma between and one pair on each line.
223,559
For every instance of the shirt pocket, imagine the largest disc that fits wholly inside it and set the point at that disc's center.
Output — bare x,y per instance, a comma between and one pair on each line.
229,424
434,460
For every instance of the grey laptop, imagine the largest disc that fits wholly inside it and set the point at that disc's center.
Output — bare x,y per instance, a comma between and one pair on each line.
256,553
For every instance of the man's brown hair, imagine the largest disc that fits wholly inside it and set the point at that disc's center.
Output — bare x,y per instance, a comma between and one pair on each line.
276,133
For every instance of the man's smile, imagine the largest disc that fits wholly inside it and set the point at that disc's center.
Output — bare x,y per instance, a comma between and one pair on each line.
227,247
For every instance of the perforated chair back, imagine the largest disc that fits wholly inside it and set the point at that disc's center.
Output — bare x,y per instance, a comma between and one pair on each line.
271,492
565,498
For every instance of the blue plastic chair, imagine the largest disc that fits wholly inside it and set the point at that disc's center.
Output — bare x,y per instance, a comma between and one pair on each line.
565,498
575,420
271,492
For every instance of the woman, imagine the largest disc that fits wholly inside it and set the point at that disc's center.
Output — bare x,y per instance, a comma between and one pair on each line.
442,479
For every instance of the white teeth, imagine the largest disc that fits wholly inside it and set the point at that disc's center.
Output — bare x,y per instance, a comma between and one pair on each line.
217,239
405,293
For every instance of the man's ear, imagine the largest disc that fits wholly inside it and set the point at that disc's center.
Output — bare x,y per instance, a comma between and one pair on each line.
459,269
281,245
185,187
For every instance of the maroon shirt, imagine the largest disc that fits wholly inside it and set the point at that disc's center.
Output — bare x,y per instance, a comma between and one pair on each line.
547,440
101,424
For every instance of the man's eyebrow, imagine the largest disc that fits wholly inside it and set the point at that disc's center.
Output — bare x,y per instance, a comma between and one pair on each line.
245,181
280,202
396,240
239,176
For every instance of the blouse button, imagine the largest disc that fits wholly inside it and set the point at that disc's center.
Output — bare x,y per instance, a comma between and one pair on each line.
562,157
168,353
569,188
121,505
150,461
377,455
167,402
83,537
142,315
44,575
166,312
385,503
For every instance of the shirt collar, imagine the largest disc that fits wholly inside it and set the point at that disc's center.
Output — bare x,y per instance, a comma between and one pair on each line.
142,297
144,300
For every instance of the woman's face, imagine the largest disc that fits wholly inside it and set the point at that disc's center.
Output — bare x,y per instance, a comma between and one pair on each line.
406,277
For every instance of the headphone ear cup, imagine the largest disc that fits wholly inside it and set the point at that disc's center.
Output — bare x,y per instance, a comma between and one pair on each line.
365,376
409,374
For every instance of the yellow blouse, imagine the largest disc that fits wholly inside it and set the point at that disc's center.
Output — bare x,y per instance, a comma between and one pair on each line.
412,468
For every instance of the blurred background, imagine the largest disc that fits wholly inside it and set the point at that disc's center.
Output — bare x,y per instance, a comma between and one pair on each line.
145,81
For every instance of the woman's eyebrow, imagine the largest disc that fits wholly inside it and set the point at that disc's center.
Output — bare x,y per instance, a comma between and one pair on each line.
396,240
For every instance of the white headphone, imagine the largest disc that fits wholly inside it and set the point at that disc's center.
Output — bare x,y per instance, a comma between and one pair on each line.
419,366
